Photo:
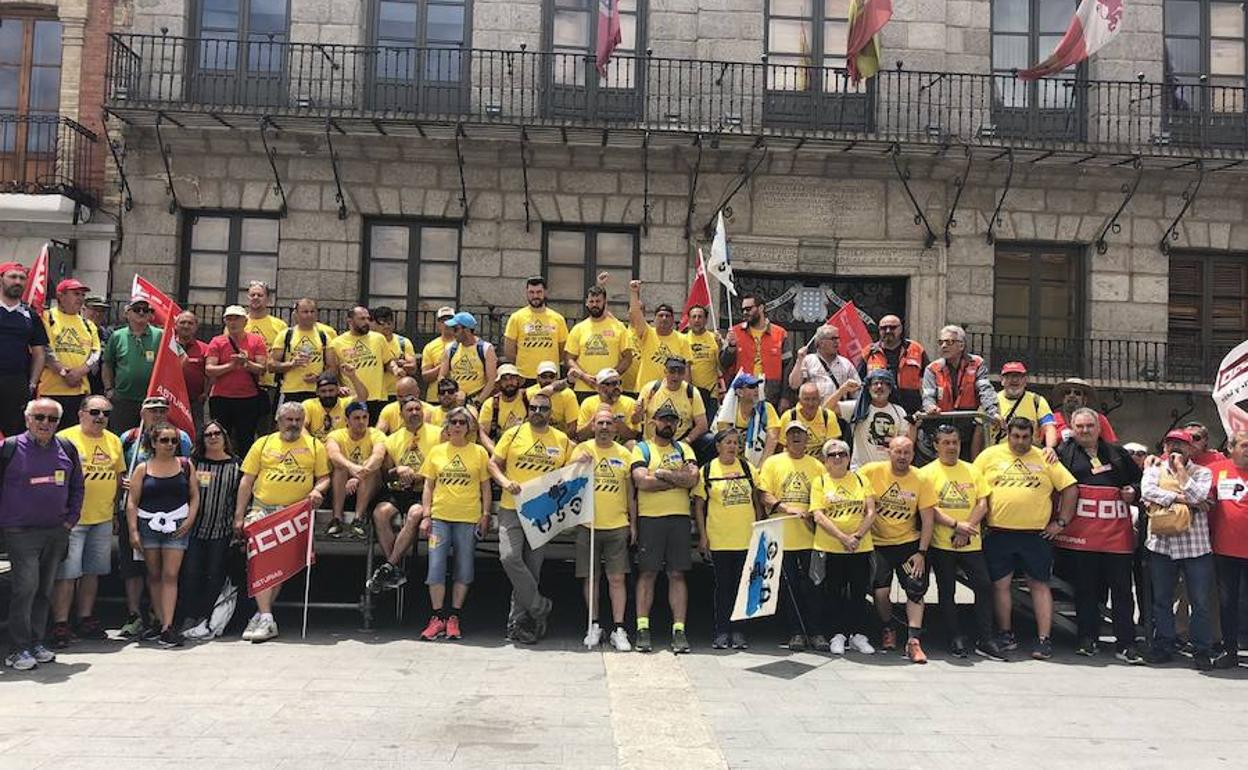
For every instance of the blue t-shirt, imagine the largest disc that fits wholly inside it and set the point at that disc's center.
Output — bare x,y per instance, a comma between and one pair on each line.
20,330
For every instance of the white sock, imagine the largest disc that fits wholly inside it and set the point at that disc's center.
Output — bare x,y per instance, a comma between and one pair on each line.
266,616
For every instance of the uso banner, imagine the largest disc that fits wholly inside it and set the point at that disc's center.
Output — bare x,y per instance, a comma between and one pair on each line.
555,501
277,547
1102,523
759,589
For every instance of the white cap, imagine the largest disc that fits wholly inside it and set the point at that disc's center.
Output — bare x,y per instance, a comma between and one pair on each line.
606,374
505,370
548,367
234,310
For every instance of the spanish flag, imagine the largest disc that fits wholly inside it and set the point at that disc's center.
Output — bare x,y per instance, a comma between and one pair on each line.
862,47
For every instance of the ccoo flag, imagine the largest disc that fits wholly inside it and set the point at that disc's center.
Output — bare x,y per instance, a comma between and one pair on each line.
169,383
759,589
278,547
862,46
556,501
699,294
1095,23
855,339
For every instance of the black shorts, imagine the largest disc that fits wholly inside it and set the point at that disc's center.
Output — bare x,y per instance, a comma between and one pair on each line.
127,565
889,560
1006,549
401,499
664,542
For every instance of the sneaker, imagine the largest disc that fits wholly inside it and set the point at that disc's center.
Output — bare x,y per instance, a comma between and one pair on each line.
62,635
739,642
151,633
1007,641
619,640
249,632
837,645
1043,649
90,628
132,628
452,628
1200,661
387,577
170,638
888,638
357,529
1157,656
541,616
859,643
819,642
1129,656
1087,648
914,651
593,637
680,642
266,629
524,632
21,660
1187,649
643,640
991,650
334,529
720,642
957,648
199,633
43,654
797,643
435,630
1226,660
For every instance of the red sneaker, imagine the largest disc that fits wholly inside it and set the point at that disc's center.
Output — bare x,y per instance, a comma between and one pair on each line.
435,630
914,651
452,628
888,638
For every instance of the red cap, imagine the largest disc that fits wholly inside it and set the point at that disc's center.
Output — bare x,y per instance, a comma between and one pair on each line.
1014,367
71,284
1179,434
7,266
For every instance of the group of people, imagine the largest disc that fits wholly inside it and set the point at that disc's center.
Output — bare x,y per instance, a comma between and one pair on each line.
692,437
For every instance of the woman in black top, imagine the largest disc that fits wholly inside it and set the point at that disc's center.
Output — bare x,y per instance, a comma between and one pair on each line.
217,475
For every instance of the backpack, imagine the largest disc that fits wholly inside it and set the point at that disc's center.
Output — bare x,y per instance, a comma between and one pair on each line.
644,447
9,448
454,346
496,400
846,430
745,470
655,391
286,339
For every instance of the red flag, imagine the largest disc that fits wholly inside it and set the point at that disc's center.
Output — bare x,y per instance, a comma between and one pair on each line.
1095,23
163,307
855,339
278,547
36,292
169,383
699,294
609,35
862,50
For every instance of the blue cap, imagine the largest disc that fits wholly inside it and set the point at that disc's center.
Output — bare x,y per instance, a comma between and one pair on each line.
353,407
463,319
745,380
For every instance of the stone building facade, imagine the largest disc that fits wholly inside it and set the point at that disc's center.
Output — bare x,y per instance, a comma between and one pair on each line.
1028,247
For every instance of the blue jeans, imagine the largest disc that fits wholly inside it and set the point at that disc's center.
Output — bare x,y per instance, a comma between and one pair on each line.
1198,576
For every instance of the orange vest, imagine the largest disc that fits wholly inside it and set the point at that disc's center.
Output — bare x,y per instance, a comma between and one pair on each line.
773,347
909,365
968,396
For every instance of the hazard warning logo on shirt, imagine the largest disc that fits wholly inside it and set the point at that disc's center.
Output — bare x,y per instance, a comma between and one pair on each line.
455,473
537,458
954,495
606,478
795,488
1019,475
596,346
896,503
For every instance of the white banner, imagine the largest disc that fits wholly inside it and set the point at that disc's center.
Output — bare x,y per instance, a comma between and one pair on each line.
556,501
759,589
1230,390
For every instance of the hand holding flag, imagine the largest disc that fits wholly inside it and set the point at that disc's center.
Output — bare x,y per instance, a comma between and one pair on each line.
36,293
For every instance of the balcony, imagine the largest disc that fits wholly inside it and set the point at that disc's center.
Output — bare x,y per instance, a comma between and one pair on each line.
48,155
1132,364
409,91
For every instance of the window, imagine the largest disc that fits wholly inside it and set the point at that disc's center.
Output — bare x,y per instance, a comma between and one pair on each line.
30,84
242,55
573,256
223,250
803,38
1205,38
1037,291
410,265
419,42
573,30
1208,308
1025,32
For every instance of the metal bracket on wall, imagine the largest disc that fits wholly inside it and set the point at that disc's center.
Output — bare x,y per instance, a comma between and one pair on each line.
1109,406
1189,197
119,159
693,187
746,174
959,184
463,186
165,152
996,213
524,172
1176,416
333,164
919,217
645,183
1112,225
271,155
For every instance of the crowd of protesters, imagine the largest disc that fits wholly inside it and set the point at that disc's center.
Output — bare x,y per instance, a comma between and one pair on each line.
891,471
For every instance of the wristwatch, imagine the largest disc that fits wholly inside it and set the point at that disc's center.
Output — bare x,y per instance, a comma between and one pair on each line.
922,552
1062,524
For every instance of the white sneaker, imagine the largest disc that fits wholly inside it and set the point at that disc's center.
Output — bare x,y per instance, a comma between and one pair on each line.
266,629
593,637
43,654
249,633
619,640
198,633
859,643
837,645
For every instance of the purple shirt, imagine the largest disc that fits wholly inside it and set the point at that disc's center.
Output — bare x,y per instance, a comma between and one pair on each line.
42,486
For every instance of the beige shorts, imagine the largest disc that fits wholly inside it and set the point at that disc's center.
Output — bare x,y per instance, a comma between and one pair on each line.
258,511
610,547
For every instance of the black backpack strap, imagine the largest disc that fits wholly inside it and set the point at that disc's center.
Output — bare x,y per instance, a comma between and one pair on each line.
7,450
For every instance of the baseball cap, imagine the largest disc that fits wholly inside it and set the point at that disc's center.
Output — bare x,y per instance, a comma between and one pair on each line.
155,402
138,300
444,312
95,300
745,380
353,407
505,370
1014,367
1135,447
71,284
797,425
463,319
667,412
548,367
327,378
606,374
1180,434
234,310
675,362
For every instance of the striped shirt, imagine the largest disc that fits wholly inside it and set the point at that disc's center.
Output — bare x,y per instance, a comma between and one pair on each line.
216,497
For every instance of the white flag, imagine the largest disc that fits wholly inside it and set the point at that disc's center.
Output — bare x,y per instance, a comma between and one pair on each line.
1230,390
556,501
718,267
759,589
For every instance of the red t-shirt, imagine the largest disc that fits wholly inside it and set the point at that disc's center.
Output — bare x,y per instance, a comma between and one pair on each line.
193,368
236,383
1064,432
1228,521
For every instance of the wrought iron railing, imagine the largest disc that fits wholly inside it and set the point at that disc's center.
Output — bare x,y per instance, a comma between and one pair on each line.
48,154
275,77
1104,361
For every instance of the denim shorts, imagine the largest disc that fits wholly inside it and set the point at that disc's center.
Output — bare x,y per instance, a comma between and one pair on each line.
151,539
445,537
90,551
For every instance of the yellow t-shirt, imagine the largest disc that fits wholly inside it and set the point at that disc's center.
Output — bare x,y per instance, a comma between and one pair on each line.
308,343
539,334
467,368
390,419
285,471
509,414
1021,488
958,488
611,483
789,481
897,502
669,502
686,403
628,378
400,349
268,327
434,414
704,359
729,504
623,407
73,342
653,352
529,455
1033,406
369,353
843,500
321,423
597,344
102,461
431,354
743,421
357,450
563,405
457,472
404,448
823,427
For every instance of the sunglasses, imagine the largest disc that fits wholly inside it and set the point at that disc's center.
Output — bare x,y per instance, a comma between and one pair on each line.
541,408
949,342
167,440
141,310
99,412
457,422
1072,392
39,417
1138,453
213,434
838,454
611,384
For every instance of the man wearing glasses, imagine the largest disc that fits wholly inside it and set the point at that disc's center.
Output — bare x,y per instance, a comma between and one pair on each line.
958,382
1071,394
904,357
1200,442
826,367
611,396
757,346
73,350
128,360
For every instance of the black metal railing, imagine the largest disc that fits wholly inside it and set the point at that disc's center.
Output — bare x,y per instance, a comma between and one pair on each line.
48,153
276,77
1104,361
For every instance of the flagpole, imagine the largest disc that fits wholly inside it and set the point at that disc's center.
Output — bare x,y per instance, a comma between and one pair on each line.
593,586
307,567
